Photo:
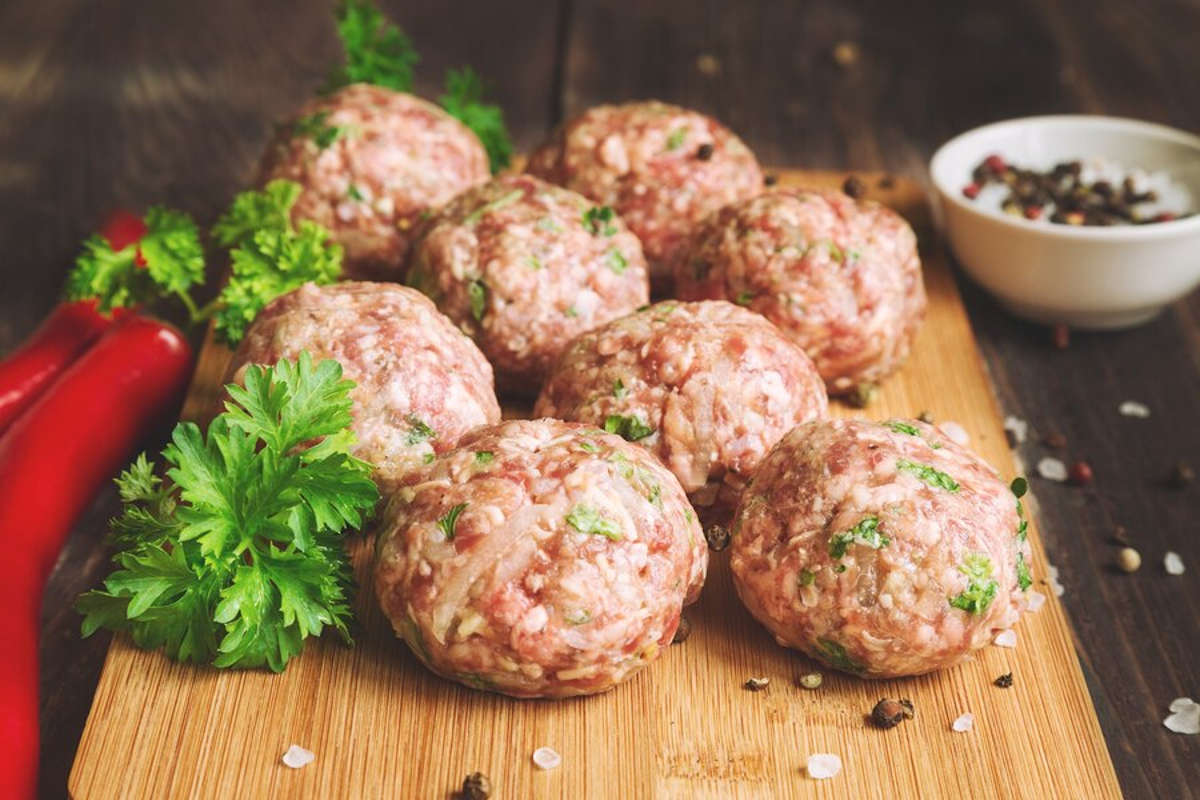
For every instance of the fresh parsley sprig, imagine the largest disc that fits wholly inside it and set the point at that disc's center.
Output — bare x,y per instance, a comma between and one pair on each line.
380,53
167,260
239,558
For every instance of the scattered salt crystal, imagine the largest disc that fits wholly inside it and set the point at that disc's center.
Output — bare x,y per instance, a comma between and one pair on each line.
1052,579
1173,563
1132,408
955,433
297,757
547,758
1052,469
1035,599
1185,716
823,765
1006,638
1016,426
964,723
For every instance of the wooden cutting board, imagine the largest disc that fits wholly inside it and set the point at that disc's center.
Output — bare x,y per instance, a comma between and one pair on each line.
382,726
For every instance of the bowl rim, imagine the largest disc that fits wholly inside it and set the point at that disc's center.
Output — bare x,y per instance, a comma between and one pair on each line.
1153,130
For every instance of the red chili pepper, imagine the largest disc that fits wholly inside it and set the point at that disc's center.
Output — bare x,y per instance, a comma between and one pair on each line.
52,462
29,371
123,228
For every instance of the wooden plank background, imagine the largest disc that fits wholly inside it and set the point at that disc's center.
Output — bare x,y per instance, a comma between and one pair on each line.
383,726
127,102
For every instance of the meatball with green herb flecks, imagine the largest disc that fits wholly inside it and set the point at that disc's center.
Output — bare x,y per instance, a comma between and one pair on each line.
882,549
841,277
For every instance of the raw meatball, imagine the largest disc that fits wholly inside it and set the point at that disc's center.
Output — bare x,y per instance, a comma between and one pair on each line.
707,387
370,161
540,559
661,167
523,266
883,549
840,277
421,384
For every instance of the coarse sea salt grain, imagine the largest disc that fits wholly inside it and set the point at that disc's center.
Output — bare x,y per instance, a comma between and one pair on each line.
1018,427
297,757
1052,469
964,723
1173,564
955,433
1006,638
547,758
1185,716
1132,408
1052,579
1035,599
823,765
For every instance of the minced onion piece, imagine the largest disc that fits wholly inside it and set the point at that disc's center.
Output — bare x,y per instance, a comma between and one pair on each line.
1052,579
297,757
823,765
547,758
964,723
1018,427
1173,564
955,433
1035,599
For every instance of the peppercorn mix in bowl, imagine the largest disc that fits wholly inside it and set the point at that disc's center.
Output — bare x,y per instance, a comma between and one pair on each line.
1085,221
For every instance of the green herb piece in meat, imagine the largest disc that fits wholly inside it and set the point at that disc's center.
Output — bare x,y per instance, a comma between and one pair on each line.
589,447
598,221
617,262
376,51
484,457
171,262
477,297
317,128
631,428
464,100
1024,579
836,253
494,205
744,298
448,523
981,586
806,578
571,312
354,193
676,139
418,430
900,426
578,617
619,391
587,519
928,474
865,532
836,655
241,558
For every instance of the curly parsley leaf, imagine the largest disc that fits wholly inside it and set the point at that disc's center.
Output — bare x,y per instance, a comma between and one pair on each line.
167,260
269,263
865,532
464,100
981,586
246,560
598,221
376,51
269,209
316,127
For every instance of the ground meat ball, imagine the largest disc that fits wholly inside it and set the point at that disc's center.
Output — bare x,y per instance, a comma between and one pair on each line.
883,549
662,167
523,267
421,384
370,161
840,277
540,559
711,386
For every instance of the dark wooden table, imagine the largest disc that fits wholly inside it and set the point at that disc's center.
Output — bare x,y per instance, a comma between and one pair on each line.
126,103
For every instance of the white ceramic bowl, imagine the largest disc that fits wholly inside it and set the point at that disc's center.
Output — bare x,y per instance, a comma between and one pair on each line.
1085,277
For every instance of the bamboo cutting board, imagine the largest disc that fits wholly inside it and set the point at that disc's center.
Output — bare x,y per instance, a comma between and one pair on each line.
381,726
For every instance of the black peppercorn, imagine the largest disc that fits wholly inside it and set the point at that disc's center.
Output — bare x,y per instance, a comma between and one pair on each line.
705,151
476,786
854,188
1004,681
